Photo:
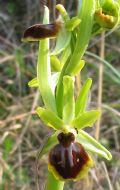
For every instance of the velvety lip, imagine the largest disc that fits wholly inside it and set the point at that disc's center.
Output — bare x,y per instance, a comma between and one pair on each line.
41,31
68,160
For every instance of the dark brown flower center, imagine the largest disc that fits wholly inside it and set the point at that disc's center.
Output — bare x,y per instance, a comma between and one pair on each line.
69,157
66,139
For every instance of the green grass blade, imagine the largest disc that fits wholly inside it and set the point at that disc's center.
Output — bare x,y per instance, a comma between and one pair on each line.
106,63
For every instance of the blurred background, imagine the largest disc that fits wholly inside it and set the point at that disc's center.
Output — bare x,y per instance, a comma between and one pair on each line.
21,131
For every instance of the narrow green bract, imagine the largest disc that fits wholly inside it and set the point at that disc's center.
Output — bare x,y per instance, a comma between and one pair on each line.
43,70
81,101
68,99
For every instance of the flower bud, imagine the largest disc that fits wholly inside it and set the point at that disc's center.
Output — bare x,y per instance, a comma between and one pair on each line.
68,159
108,15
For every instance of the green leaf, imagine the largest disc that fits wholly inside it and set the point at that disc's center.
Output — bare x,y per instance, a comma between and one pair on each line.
48,144
72,23
78,68
33,83
49,118
81,101
62,42
92,145
68,99
86,119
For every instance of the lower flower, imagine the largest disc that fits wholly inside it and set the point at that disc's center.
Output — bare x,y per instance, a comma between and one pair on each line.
68,159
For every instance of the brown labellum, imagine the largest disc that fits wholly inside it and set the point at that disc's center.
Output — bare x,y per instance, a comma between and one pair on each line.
68,159
41,31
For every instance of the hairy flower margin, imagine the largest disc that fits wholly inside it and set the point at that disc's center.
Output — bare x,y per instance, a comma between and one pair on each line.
62,113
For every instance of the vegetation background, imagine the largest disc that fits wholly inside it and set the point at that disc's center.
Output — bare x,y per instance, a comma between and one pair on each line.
21,131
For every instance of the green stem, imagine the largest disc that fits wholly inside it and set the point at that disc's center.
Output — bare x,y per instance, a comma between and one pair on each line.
86,15
53,184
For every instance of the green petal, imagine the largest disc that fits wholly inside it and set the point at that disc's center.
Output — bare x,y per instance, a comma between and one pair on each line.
55,63
49,118
72,23
33,83
78,68
63,12
92,145
81,101
68,99
49,143
64,36
86,119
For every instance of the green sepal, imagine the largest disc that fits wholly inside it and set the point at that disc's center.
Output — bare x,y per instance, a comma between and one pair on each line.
92,145
72,23
81,101
64,37
55,63
48,144
68,99
86,119
65,55
62,42
33,83
50,118
78,68
54,80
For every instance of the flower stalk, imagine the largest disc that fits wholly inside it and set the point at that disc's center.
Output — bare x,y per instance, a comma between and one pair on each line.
52,183
67,115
